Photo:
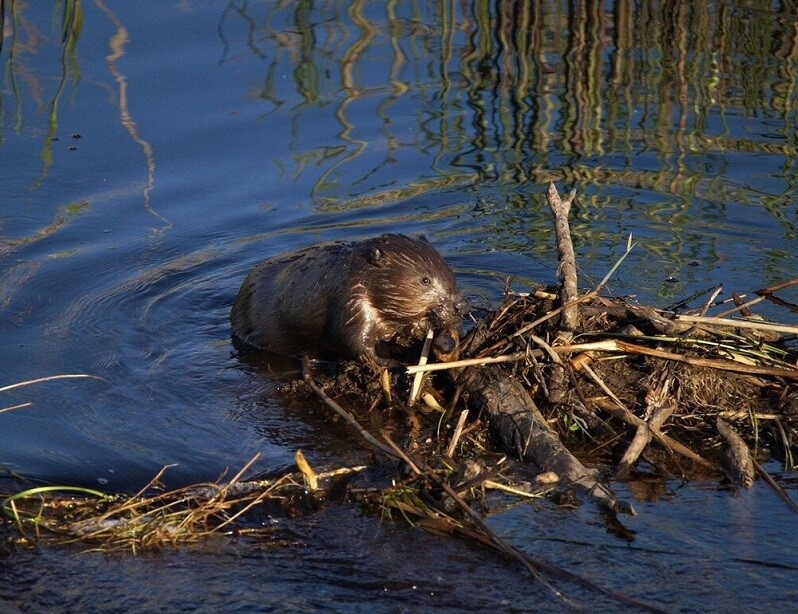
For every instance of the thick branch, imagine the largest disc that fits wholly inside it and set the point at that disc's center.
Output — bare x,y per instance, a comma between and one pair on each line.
516,421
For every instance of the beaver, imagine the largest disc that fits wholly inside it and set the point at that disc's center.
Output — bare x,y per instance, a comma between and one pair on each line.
347,299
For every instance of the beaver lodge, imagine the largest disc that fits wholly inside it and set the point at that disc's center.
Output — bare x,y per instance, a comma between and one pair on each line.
555,394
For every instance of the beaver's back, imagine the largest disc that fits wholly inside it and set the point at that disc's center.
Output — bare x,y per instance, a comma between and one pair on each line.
284,303
346,298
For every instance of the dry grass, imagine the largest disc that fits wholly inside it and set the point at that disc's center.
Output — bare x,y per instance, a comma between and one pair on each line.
153,518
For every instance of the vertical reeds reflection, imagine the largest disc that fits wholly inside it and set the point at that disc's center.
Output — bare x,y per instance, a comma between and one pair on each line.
510,89
25,41
71,22
117,43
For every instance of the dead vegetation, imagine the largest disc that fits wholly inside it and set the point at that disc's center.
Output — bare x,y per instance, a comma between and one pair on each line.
554,392
633,373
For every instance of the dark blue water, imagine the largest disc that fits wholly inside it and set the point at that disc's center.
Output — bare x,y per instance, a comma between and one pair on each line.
157,151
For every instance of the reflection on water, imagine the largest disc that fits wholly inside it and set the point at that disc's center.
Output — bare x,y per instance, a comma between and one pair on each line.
117,44
515,91
679,113
151,152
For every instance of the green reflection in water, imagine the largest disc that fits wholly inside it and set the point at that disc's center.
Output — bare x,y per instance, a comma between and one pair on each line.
633,98
677,109
25,40
594,79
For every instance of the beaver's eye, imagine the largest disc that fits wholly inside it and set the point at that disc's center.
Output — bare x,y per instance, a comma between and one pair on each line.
426,281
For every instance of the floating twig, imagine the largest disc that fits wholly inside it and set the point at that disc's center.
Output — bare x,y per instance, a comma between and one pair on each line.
13,407
49,378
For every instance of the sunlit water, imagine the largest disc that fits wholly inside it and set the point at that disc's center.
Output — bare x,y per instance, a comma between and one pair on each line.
153,153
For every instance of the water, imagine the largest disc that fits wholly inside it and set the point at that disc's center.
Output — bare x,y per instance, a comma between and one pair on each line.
153,153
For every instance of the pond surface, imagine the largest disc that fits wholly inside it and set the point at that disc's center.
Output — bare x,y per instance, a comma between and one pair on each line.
151,153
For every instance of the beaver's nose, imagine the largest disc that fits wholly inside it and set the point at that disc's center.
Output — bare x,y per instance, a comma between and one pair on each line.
445,342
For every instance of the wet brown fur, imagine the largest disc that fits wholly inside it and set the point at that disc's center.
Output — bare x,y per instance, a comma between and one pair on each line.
346,298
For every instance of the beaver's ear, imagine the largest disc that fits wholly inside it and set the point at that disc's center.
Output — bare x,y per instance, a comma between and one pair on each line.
422,237
375,255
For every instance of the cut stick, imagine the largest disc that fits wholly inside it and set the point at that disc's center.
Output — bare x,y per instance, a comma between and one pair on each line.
469,362
311,479
741,306
49,378
779,286
600,383
738,300
458,430
615,345
711,300
13,407
419,376
749,324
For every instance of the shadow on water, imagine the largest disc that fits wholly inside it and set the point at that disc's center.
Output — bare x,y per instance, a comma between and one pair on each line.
277,124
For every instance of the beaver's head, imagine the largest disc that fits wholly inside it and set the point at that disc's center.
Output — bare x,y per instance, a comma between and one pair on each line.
411,287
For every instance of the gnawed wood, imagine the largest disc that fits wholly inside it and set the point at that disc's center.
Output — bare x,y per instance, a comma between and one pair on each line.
515,420
738,461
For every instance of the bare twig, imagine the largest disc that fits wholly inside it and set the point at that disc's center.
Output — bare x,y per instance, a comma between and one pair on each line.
49,378
740,306
748,324
419,377
534,566
776,488
710,300
661,437
458,430
616,345
13,407
469,362
584,366
567,268
569,292
658,408
764,295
